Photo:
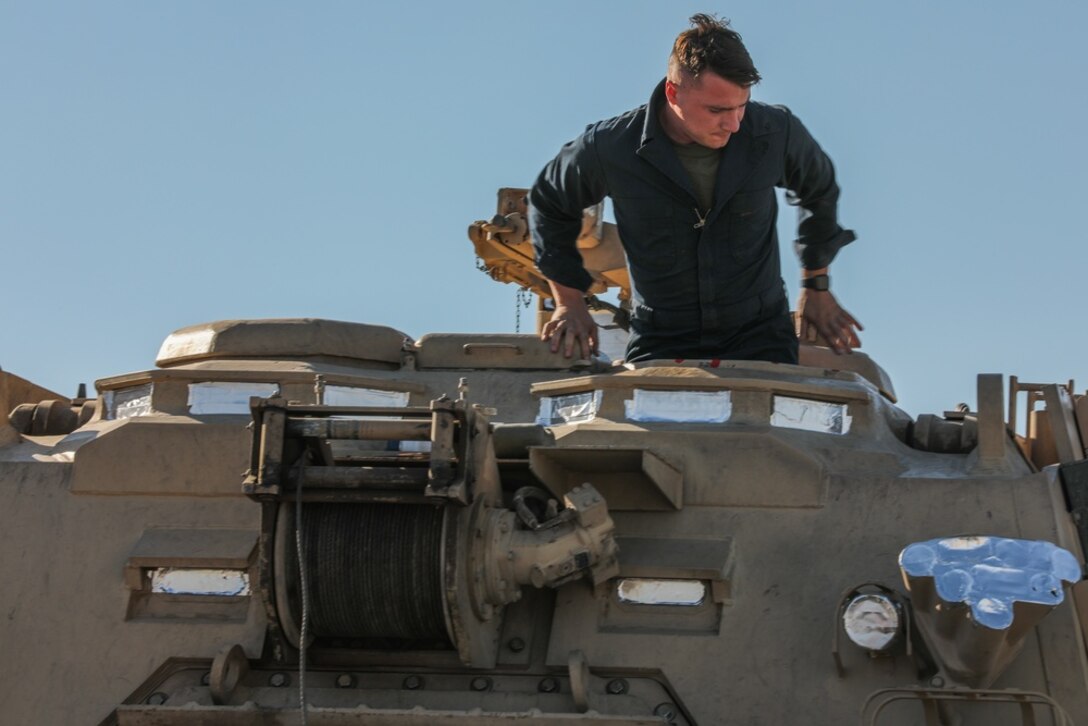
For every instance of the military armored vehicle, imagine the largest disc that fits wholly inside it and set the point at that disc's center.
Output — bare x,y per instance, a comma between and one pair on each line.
311,521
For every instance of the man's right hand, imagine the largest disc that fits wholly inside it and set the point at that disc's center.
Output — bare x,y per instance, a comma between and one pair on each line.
571,323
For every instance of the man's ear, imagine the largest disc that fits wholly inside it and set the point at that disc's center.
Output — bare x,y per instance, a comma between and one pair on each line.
670,91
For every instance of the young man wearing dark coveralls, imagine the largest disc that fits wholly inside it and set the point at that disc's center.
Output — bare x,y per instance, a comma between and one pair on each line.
692,179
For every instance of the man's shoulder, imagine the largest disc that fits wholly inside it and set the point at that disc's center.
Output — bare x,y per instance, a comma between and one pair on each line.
618,129
767,118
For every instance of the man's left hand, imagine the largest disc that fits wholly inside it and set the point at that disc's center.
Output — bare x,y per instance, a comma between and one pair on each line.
819,312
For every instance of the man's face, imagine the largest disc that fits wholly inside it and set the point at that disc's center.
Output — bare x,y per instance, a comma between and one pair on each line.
706,110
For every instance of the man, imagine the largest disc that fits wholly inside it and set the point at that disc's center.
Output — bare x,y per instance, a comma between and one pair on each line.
691,176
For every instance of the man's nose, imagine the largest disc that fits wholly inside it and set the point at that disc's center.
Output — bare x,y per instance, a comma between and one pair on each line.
731,121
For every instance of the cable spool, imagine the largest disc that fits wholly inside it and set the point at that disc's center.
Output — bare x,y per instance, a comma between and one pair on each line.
374,571
396,556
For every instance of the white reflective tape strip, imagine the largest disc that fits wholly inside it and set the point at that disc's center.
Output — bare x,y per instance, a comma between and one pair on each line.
352,396
807,415
679,406
574,408
128,402
181,581
65,457
687,593
226,397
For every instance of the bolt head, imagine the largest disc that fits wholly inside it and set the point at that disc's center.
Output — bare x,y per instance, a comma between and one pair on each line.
480,683
206,679
413,683
548,685
157,698
617,686
516,644
666,711
278,680
345,680
936,682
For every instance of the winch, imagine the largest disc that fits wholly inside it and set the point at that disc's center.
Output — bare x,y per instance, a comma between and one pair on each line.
388,528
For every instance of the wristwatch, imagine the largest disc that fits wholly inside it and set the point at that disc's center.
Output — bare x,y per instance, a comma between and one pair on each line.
816,282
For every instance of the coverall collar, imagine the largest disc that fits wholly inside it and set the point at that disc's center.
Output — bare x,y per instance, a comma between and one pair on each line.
739,157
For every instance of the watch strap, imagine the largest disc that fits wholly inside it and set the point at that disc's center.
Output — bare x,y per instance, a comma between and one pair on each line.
816,282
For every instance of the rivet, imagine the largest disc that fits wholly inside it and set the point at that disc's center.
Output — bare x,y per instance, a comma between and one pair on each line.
345,680
548,685
936,682
480,683
278,680
616,686
516,644
413,683
157,698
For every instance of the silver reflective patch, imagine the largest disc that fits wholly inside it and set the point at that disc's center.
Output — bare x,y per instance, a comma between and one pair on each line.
611,338
639,591
991,573
128,402
352,396
225,397
808,415
179,581
679,406
574,408
871,621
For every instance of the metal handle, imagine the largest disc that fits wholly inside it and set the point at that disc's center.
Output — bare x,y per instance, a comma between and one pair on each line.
469,347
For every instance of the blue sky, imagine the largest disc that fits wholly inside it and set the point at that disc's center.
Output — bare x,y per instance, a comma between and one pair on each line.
164,164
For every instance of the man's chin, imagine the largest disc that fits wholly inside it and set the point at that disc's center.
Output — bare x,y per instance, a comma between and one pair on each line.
717,141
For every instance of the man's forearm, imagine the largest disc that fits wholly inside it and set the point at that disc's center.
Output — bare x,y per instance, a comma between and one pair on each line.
568,297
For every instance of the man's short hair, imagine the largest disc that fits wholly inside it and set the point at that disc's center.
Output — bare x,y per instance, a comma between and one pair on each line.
711,45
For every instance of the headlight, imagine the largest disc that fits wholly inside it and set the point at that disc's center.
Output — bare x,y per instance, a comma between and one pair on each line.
872,621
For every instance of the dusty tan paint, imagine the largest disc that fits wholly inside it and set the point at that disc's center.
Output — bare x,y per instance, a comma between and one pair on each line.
15,390
777,522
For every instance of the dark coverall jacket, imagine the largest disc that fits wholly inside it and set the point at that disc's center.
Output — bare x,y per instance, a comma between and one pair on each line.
702,286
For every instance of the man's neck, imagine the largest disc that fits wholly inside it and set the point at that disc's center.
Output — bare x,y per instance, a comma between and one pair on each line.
667,118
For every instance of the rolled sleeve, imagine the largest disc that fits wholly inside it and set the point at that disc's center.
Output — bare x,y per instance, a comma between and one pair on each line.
809,179
570,182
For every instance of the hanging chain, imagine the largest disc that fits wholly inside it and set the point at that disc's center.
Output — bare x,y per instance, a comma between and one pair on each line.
524,297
